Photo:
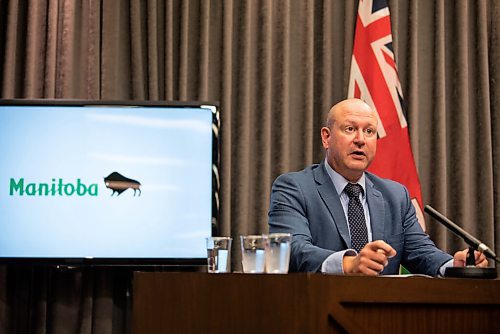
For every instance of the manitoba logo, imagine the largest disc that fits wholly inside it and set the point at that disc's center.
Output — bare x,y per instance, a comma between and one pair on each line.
60,187
119,183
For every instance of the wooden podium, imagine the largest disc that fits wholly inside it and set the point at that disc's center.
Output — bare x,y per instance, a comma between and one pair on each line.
312,303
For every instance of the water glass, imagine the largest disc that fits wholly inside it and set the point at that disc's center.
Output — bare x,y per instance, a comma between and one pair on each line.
218,254
253,253
278,253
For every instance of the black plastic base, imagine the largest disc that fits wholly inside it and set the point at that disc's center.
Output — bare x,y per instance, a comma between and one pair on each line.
470,272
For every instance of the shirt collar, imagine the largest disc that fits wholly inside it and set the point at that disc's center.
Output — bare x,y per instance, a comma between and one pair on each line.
340,182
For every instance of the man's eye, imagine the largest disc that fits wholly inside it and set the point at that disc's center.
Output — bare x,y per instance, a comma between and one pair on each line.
370,131
349,129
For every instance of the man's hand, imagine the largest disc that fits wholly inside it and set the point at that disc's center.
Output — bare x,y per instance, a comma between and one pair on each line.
460,257
371,260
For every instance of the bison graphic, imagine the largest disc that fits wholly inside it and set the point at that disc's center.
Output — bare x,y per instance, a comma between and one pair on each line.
119,183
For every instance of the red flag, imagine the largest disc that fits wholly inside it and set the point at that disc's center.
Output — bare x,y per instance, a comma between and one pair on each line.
374,79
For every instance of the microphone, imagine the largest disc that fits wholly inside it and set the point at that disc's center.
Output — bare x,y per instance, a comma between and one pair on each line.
470,270
469,239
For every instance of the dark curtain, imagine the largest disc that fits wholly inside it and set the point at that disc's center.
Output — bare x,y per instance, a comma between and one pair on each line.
276,67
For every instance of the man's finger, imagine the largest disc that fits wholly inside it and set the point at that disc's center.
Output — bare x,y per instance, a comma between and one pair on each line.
383,247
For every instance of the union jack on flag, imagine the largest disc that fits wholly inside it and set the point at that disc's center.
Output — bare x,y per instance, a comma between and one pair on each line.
374,79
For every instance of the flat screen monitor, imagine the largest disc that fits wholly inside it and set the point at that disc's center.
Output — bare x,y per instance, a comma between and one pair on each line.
107,182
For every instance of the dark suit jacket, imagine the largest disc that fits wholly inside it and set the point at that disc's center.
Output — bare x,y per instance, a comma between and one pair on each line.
307,205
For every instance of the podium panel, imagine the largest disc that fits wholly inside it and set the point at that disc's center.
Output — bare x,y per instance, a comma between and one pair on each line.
312,303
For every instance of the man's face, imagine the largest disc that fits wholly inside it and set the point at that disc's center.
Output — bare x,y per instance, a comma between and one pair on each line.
351,141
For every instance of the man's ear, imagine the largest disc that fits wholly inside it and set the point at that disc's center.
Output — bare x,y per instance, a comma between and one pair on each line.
325,137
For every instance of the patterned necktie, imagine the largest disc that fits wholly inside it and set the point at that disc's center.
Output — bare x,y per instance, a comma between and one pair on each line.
356,217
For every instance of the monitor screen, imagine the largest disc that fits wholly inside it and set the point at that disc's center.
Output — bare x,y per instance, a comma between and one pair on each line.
107,182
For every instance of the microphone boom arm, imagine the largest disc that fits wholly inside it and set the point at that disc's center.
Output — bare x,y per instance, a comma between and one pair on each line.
469,239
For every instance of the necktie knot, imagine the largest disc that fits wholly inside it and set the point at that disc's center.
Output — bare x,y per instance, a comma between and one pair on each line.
353,190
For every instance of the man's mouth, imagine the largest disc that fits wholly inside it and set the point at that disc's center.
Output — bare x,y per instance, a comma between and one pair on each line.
358,154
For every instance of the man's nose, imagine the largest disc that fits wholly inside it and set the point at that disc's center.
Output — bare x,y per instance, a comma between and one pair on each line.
359,137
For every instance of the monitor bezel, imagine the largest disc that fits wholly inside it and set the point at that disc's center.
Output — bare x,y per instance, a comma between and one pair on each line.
141,262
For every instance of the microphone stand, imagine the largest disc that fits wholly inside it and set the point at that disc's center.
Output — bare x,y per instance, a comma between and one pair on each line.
470,270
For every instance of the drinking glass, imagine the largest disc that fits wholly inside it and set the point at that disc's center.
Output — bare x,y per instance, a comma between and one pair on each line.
253,253
218,254
278,253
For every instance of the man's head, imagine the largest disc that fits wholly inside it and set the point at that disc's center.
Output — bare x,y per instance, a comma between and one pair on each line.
350,138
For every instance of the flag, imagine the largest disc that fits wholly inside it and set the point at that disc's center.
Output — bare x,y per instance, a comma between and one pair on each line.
374,79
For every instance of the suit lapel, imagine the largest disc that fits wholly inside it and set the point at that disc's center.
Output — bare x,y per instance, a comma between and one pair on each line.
377,211
331,199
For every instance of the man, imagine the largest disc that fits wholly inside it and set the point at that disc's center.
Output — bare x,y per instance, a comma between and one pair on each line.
345,220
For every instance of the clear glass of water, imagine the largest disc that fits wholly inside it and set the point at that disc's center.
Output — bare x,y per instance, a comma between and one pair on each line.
253,253
218,254
278,253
